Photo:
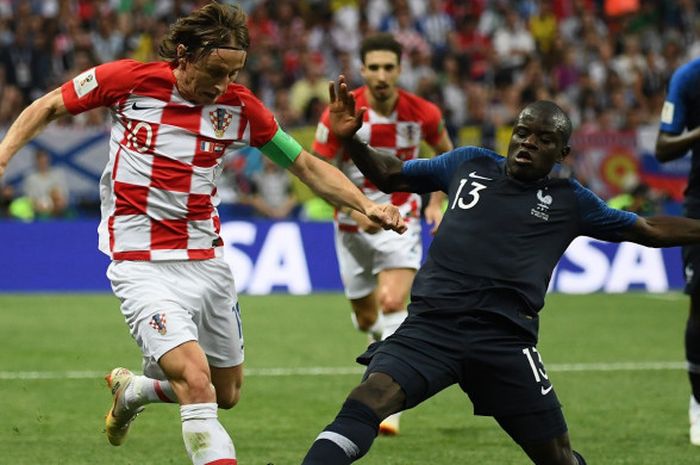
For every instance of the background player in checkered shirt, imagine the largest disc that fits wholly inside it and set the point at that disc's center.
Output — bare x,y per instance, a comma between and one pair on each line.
377,267
173,121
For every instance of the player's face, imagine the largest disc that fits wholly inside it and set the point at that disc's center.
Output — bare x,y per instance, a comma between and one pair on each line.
380,72
204,80
535,146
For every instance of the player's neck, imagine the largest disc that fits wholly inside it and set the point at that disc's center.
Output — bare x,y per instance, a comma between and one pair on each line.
384,107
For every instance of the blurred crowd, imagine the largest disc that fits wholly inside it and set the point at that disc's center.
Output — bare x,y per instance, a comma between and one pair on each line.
606,62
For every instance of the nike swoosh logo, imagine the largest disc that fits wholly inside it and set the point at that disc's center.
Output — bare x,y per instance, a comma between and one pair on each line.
546,391
476,176
135,107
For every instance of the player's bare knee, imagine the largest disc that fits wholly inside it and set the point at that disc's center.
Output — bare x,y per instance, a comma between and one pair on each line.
556,452
390,303
197,384
228,398
380,393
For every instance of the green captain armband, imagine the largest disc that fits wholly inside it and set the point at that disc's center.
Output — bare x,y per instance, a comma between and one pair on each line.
282,149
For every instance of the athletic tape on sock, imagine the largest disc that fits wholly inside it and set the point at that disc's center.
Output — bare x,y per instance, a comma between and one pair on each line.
350,448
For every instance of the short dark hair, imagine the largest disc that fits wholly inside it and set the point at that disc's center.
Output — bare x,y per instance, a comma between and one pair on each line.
210,27
383,41
562,122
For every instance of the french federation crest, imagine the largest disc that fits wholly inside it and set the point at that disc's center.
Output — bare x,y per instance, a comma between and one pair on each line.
221,120
544,202
158,323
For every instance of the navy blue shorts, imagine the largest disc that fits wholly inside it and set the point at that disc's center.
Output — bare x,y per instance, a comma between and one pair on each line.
691,268
494,361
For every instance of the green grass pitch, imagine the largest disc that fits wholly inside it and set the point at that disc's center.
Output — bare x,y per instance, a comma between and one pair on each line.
615,361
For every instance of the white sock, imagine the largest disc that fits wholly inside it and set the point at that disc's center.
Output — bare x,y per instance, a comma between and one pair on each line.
205,439
143,390
392,321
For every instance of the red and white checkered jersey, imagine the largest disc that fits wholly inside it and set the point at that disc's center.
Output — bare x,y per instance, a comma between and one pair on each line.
414,119
158,189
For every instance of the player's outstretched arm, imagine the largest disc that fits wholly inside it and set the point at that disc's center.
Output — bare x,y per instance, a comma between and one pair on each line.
331,184
433,210
30,123
383,169
671,146
663,231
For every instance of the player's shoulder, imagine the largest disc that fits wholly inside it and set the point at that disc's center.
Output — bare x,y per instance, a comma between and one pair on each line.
580,192
472,152
238,94
687,73
360,95
407,98
138,69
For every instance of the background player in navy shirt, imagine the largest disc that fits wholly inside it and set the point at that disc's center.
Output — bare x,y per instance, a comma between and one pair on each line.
680,112
473,317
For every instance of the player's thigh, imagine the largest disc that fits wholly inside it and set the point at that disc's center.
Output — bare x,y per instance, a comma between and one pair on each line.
158,316
419,357
219,320
503,372
355,258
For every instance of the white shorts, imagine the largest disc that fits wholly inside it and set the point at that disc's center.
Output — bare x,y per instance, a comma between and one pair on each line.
362,256
166,304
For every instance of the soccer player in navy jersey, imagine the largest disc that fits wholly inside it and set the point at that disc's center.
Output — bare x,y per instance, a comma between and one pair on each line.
473,316
678,114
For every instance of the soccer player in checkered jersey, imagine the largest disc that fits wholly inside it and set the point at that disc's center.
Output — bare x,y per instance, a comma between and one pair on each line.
377,267
173,121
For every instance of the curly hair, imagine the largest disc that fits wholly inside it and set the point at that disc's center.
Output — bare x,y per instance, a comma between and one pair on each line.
210,27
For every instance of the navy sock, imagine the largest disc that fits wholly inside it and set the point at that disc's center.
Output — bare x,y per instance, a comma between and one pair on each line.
347,439
579,457
692,353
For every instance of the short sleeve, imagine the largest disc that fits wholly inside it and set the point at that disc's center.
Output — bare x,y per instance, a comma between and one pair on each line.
673,112
597,219
435,174
326,144
434,125
100,86
263,125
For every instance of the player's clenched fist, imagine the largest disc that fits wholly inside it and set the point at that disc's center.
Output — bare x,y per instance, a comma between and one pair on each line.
388,216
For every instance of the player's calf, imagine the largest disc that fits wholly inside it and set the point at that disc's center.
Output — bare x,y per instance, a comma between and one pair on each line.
347,439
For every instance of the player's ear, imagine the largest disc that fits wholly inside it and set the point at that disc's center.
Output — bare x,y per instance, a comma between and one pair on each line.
564,152
181,51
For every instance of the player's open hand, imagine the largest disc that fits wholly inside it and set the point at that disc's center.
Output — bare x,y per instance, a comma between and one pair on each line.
388,216
345,120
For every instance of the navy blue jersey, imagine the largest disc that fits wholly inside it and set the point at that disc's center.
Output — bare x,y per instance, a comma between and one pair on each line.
500,238
680,112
